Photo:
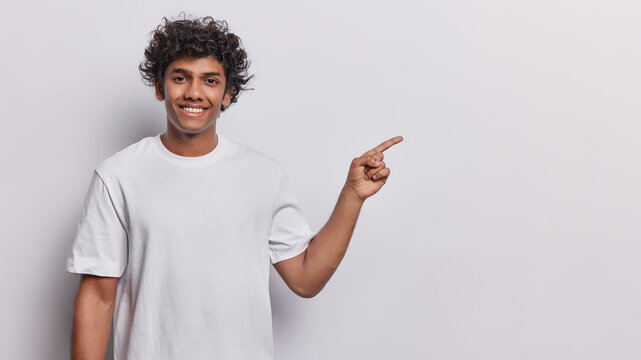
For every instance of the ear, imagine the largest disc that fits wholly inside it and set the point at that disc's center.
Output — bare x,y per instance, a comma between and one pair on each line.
160,92
227,96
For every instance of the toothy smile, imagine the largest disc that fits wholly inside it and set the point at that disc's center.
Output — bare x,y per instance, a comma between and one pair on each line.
193,109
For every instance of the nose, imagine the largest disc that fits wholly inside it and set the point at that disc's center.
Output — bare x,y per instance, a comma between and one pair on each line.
193,91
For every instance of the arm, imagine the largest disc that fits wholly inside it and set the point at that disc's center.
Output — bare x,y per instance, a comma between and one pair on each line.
92,317
307,273
327,249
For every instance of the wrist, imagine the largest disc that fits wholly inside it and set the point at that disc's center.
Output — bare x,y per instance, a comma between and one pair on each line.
351,196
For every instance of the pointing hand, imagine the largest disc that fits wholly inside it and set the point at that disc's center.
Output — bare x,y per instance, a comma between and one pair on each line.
367,173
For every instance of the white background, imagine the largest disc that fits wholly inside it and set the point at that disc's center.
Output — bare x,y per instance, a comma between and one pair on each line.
509,227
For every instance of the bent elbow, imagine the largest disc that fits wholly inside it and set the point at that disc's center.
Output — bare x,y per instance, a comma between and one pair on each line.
307,294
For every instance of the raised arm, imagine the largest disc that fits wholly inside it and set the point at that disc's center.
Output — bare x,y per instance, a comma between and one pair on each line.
307,273
92,317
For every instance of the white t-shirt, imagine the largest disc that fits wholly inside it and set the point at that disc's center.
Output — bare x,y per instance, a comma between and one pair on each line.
191,239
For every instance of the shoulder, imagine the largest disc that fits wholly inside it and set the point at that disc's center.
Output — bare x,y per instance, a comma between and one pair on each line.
123,161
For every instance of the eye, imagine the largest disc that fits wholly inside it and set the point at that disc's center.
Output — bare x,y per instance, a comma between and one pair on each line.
180,78
212,81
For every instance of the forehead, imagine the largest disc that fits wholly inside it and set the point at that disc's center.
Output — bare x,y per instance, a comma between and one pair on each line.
197,66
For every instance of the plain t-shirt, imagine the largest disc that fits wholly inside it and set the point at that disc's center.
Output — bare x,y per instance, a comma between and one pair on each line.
191,239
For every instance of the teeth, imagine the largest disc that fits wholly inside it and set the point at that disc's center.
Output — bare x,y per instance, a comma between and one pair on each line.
193,110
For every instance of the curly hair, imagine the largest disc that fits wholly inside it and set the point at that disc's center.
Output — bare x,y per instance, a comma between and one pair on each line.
202,37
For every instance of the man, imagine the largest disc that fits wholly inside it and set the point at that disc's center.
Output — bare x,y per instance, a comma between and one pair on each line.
177,230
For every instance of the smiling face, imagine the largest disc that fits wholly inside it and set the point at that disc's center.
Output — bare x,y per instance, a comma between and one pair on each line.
193,91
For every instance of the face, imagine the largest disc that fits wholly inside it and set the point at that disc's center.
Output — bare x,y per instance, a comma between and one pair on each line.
193,92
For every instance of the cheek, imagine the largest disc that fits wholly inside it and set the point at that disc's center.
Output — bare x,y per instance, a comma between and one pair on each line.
169,104
169,109
217,97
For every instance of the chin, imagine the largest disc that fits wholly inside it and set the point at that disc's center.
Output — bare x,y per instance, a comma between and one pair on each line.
193,128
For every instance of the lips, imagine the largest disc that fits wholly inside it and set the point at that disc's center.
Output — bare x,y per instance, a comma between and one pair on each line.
192,110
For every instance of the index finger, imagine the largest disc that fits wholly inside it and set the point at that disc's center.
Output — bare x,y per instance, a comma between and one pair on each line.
388,143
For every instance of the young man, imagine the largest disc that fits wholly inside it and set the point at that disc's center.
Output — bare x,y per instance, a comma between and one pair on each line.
177,230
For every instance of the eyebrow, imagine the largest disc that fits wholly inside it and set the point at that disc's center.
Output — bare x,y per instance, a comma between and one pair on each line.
189,73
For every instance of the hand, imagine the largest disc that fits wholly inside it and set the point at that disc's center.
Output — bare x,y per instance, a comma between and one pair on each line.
367,173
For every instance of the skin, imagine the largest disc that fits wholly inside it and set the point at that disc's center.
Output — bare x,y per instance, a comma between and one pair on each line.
200,82
307,273
197,82
189,81
93,311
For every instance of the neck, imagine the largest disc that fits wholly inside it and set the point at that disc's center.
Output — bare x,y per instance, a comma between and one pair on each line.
189,144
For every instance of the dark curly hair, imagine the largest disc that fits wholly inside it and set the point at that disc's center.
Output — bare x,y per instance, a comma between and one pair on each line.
202,37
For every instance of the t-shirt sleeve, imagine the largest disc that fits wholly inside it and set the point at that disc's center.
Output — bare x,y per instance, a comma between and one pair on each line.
290,233
100,244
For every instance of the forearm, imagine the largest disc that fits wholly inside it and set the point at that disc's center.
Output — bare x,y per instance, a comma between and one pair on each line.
327,249
91,327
